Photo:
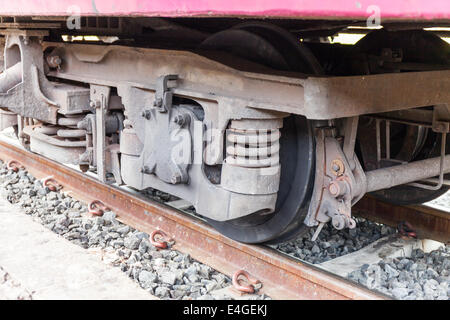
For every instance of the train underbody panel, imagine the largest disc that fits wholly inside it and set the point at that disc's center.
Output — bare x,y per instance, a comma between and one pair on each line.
264,134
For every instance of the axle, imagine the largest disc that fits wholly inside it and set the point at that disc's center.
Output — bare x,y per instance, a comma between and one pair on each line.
405,173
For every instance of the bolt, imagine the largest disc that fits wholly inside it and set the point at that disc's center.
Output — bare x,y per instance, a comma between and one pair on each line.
337,188
338,222
146,170
157,103
54,61
176,178
146,114
338,167
181,119
441,127
94,104
351,223
334,189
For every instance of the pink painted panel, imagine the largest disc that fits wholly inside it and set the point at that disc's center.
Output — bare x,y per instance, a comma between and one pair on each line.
330,9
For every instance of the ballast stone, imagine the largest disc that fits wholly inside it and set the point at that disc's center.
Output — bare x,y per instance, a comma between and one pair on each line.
132,242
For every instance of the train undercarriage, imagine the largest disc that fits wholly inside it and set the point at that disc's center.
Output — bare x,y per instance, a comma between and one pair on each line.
264,134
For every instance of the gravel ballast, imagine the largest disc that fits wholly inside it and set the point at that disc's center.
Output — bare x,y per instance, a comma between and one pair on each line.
167,274
422,276
333,243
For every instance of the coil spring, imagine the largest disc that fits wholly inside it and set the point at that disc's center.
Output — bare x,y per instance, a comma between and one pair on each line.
66,128
253,148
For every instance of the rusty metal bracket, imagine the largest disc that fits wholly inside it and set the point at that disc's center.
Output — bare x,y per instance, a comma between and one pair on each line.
97,208
158,243
51,184
244,288
14,165
405,229
339,183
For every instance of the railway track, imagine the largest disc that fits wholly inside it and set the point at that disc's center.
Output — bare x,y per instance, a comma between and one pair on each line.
282,276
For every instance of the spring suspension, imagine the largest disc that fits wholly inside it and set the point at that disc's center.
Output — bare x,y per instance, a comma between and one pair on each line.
65,129
253,143
69,122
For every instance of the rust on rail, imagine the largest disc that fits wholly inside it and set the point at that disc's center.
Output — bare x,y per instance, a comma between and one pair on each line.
429,223
283,277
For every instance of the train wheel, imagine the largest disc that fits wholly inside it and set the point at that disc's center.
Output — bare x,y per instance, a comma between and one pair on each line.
267,45
407,143
297,167
273,47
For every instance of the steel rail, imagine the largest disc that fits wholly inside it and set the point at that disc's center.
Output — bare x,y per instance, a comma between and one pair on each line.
283,277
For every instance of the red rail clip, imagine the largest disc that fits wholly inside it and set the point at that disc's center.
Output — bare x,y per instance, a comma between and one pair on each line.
158,243
51,184
244,288
14,165
97,208
406,229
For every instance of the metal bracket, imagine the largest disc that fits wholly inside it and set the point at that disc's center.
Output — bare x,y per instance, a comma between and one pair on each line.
163,94
30,97
339,183
99,101
440,125
351,128
441,119
168,129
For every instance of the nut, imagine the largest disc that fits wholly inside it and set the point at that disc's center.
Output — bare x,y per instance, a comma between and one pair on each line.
337,166
54,61
146,114
176,178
